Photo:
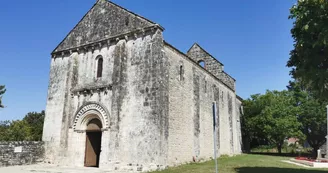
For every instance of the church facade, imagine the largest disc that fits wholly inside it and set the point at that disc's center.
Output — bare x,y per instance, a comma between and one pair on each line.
121,98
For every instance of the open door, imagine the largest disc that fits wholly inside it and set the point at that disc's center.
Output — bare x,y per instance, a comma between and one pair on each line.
93,144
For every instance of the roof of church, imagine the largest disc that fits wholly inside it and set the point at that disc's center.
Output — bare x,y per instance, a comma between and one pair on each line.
108,20
108,1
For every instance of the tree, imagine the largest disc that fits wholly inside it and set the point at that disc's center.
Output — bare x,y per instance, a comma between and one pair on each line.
4,126
313,119
34,122
18,131
28,129
309,58
250,131
2,91
279,118
312,115
272,116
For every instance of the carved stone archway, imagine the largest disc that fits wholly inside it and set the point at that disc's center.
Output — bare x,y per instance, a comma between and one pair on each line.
89,111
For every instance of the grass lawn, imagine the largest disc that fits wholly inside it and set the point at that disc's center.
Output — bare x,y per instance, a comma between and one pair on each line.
245,164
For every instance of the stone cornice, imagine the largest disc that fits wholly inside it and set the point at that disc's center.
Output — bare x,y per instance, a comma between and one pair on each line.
109,41
89,90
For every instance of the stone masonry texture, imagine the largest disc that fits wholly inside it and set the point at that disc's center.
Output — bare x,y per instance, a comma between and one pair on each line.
154,102
198,54
102,21
21,153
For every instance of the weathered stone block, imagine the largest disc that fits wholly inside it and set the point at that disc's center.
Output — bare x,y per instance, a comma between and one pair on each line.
21,153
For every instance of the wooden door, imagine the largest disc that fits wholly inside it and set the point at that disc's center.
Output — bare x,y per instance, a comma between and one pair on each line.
92,149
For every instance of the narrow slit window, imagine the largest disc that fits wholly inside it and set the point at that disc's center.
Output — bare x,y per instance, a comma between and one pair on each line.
205,86
100,67
181,72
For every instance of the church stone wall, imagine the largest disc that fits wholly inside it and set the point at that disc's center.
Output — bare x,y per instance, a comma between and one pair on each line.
192,91
212,65
154,102
134,91
239,111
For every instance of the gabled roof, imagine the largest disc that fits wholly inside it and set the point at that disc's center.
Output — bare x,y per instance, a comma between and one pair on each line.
105,19
239,98
111,2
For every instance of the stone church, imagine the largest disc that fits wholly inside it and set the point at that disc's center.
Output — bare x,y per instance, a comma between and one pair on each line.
123,99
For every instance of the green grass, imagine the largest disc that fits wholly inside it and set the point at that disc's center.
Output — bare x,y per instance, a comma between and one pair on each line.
245,164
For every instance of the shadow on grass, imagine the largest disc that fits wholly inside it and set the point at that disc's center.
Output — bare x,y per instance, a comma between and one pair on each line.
276,170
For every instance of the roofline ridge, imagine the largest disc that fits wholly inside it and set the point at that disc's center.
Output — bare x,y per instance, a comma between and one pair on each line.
228,75
193,46
76,25
111,2
240,98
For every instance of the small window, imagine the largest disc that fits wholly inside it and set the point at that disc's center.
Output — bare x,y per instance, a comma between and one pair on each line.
181,72
205,86
127,21
99,66
201,63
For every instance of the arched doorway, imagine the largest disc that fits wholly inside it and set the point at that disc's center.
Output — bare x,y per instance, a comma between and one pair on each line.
93,143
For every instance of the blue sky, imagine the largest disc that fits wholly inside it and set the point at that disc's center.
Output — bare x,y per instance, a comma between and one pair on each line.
251,38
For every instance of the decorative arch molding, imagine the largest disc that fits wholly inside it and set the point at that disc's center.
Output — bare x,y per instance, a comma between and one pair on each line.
88,112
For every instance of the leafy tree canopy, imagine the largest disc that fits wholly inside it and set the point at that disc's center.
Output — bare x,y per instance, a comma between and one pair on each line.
272,115
312,115
28,129
309,58
34,121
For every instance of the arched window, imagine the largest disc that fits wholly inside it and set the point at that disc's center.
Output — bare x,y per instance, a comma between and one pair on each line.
181,72
99,66
202,63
